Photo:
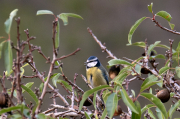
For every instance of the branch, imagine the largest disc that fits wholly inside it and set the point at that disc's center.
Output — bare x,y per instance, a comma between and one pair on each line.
17,66
72,84
62,57
40,52
164,28
103,47
2,81
49,85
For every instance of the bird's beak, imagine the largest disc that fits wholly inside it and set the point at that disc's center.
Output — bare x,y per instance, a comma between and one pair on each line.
85,63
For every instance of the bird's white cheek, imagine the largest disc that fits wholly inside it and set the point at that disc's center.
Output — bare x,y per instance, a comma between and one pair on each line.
91,64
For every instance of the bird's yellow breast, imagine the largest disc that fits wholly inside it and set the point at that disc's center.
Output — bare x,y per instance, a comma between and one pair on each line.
95,77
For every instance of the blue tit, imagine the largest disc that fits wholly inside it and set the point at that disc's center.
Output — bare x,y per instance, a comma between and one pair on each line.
95,72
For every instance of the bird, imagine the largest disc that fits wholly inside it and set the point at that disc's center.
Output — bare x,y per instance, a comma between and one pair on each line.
95,72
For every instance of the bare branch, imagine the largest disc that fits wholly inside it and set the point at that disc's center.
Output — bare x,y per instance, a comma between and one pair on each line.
164,28
103,47
62,57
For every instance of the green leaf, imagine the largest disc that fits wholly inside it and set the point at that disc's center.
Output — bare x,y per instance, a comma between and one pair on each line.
8,57
31,93
128,101
27,113
163,70
151,114
138,69
164,15
66,84
105,95
22,71
133,28
177,69
62,118
120,77
87,115
164,46
28,85
118,61
104,114
89,92
150,81
57,64
150,78
55,78
9,109
133,92
157,102
51,76
111,104
41,12
8,22
15,94
149,84
147,107
151,47
173,108
160,83
150,7
172,94
171,26
41,116
134,115
57,36
159,114
94,100
150,90
25,65
159,56
178,47
140,44
1,46
15,116
13,13
64,17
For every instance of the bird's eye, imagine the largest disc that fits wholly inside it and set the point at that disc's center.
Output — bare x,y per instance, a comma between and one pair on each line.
92,64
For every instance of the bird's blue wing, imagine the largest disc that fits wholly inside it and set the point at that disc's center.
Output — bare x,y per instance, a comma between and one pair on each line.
105,74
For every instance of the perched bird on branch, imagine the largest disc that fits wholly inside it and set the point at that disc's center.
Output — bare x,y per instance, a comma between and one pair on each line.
95,72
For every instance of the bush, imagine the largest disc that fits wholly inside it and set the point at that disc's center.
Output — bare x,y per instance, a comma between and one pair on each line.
106,104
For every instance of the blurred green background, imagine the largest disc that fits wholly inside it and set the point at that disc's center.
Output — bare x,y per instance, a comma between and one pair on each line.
109,20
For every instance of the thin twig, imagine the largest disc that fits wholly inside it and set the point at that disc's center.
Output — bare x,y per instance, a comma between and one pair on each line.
49,110
2,81
164,28
101,45
73,53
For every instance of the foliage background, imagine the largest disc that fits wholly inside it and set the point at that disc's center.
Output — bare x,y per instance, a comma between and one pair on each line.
110,21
